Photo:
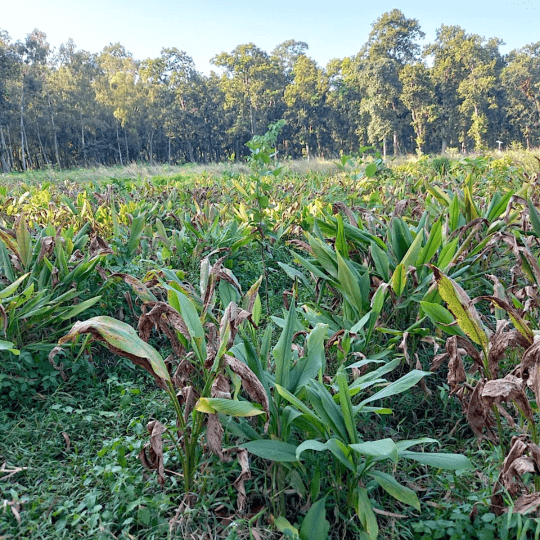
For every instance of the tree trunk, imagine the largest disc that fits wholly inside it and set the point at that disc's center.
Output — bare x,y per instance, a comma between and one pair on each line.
57,154
12,156
118,141
384,149
444,145
127,148
396,144
190,151
22,127
27,150
82,140
5,164
41,144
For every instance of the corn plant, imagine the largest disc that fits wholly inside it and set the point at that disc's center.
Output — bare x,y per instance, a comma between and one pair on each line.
326,417
196,375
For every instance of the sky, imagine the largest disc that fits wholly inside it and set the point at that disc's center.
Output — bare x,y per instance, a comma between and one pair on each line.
204,28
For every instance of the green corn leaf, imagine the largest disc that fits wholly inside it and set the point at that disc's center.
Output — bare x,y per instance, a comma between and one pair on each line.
460,305
346,406
471,211
12,287
454,213
5,262
399,279
382,264
349,284
395,489
229,407
315,525
308,367
288,530
8,346
447,254
411,257
341,241
324,405
137,227
317,422
397,387
401,238
441,318
381,449
282,350
193,322
452,462
364,511
432,245
272,449
437,192
324,255
534,218
79,308
404,445
498,205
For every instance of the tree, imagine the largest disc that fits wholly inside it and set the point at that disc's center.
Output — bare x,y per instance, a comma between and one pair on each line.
305,98
521,81
394,36
381,91
253,86
465,73
418,95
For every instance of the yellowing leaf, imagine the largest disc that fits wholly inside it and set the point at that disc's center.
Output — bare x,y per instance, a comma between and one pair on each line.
461,307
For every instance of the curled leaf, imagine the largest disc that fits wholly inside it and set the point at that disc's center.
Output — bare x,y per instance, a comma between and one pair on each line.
151,455
505,390
121,339
251,384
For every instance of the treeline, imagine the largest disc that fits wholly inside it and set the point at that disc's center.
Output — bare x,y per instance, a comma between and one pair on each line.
71,108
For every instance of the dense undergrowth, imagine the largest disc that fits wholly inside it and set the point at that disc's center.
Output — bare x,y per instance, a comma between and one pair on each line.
343,352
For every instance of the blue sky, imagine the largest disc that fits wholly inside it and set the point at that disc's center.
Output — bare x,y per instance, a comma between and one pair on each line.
204,28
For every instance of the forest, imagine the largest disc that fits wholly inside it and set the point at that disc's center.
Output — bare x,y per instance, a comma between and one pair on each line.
70,108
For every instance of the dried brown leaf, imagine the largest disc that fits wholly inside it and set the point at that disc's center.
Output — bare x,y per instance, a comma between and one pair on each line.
187,397
403,346
456,369
506,390
479,415
342,207
47,247
151,455
527,503
508,477
221,388
60,367
251,385
165,318
4,317
529,369
98,246
239,483
214,437
66,438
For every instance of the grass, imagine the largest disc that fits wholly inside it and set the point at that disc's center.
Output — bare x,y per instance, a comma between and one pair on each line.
70,452
79,475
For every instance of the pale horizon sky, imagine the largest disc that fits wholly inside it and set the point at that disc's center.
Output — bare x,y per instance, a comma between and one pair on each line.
204,28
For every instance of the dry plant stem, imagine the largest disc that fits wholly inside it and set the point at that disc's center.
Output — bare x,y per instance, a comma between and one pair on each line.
496,411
